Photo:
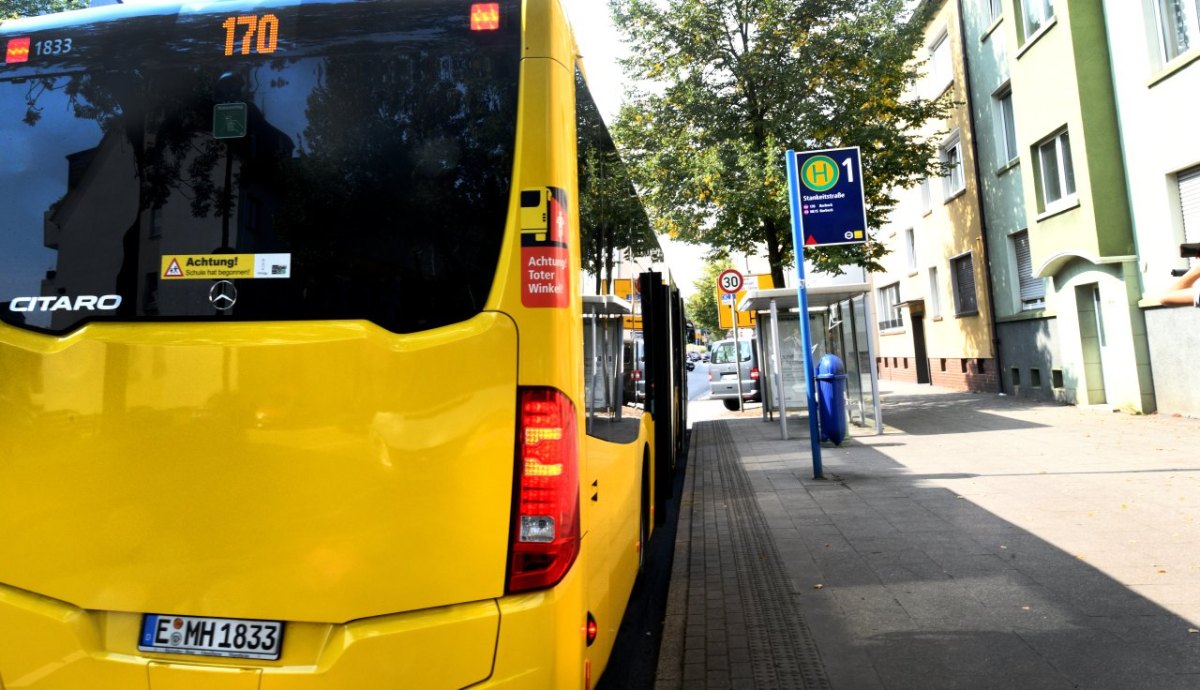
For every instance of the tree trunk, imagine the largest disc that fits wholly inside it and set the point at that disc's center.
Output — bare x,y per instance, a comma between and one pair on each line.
608,257
774,251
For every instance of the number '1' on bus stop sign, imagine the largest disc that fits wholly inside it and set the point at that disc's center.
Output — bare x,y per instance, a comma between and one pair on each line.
832,205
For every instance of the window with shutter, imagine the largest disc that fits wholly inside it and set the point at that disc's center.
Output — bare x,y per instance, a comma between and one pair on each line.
964,285
1033,289
1189,202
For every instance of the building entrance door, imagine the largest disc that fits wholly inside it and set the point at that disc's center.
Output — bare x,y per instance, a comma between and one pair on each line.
919,351
1093,341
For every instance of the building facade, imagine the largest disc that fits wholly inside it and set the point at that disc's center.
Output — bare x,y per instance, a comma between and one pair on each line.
933,305
1076,201
1054,213
1026,327
1155,55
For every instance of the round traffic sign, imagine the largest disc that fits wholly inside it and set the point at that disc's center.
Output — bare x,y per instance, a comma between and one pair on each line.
730,281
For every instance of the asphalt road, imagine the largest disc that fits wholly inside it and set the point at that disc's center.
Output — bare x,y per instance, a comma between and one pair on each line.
698,381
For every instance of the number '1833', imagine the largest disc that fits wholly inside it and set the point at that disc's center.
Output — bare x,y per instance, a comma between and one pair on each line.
52,46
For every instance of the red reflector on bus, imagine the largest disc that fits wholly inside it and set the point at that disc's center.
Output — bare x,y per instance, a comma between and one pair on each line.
18,50
592,629
485,16
545,531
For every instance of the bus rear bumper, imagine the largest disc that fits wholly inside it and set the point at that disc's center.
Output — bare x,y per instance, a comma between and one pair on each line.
526,641
50,644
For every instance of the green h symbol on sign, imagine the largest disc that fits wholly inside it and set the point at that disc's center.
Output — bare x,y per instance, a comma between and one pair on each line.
819,173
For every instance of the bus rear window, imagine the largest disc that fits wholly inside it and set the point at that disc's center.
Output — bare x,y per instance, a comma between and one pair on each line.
360,170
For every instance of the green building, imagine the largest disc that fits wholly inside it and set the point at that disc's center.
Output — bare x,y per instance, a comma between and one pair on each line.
1065,274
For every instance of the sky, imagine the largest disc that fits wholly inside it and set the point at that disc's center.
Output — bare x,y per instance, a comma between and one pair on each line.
601,46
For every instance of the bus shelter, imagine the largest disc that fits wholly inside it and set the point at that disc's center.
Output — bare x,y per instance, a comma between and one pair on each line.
839,323
607,356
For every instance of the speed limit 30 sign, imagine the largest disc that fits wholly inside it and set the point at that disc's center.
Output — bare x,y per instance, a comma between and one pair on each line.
730,281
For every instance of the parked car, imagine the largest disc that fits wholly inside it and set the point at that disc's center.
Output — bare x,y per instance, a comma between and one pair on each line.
724,368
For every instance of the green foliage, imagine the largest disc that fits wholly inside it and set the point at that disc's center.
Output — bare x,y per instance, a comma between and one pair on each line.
733,84
612,219
702,306
11,9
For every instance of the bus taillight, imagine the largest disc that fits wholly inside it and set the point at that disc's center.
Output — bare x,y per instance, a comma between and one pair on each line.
485,16
545,531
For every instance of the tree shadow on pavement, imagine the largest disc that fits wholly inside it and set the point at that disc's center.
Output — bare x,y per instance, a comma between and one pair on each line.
907,583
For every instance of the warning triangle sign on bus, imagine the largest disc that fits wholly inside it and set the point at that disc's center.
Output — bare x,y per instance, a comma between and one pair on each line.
173,271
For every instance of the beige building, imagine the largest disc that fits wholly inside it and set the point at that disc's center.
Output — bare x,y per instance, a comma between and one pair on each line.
932,302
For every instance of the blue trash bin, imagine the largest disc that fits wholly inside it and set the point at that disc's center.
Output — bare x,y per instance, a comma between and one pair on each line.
831,398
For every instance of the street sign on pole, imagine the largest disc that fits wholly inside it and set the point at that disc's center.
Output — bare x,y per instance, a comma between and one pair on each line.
832,205
730,281
745,319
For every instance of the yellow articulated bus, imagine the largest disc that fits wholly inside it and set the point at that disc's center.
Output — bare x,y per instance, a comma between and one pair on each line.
311,374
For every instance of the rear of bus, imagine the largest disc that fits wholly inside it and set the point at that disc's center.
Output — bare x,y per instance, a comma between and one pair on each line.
289,354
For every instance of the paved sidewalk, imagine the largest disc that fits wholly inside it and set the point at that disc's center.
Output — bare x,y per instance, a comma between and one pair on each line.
981,542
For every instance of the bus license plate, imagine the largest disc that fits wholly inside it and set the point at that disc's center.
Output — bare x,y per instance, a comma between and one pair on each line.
225,637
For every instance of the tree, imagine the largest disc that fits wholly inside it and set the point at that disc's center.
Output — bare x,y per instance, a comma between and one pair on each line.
31,8
612,220
733,84
702,306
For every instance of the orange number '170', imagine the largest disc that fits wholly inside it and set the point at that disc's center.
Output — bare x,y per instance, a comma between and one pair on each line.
264,31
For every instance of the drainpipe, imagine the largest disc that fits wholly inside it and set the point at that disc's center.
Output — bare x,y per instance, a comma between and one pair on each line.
983,226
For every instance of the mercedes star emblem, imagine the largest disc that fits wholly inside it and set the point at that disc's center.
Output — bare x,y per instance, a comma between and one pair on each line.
223,295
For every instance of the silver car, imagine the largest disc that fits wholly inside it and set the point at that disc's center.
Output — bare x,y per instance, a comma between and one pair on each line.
723,370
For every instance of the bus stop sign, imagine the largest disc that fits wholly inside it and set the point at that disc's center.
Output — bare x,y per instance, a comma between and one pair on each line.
833,209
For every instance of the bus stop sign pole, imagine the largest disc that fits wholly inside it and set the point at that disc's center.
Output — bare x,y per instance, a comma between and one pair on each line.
805,334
